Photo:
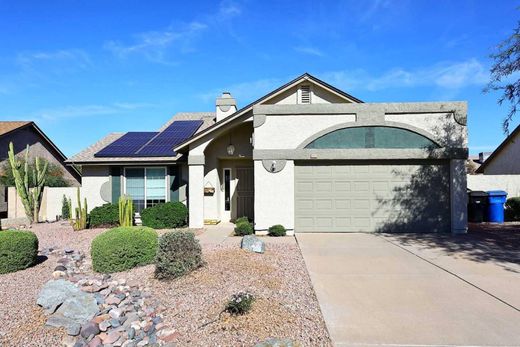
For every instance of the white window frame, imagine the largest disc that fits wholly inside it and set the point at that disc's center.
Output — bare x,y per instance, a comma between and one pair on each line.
166,197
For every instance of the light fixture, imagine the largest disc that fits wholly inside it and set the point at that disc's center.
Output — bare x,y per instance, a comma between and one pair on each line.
230,149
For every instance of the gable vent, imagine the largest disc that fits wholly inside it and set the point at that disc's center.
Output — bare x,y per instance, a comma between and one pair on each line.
305,94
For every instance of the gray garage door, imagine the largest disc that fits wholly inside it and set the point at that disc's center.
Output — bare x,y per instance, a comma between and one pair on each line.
397,196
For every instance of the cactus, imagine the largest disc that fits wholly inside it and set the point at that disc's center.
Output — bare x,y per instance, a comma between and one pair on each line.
80,222
30,199
126,211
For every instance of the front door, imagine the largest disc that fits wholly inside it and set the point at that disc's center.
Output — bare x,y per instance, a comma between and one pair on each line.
245,192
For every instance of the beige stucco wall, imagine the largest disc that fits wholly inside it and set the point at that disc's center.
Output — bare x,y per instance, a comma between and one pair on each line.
93,178
508,183
507,160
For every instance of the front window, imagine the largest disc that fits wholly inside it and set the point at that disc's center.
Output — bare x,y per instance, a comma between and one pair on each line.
146,186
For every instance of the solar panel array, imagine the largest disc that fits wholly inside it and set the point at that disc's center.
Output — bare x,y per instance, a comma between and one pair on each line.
151,144
163,143
126,145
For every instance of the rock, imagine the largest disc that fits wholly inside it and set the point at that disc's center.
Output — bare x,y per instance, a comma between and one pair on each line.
275,342
95,342
68,341
58,274
90,328
111,338
253,244
112,300
68,251
101,318
131,333
168,335
104,325
60,268
115,323
79,308
115,313
73,329
54,293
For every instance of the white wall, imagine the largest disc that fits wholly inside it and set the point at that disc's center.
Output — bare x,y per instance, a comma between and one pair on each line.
508,183
93,177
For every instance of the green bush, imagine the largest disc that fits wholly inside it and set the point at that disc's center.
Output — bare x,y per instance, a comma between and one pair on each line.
123,248
512,209
243,219
243,228
277,230
18,250
179,253
240,303
165,216
104,216
65,208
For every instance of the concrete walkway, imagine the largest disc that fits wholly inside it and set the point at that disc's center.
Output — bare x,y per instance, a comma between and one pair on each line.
386,291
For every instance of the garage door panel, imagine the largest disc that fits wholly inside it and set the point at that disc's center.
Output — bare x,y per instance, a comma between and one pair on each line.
395,197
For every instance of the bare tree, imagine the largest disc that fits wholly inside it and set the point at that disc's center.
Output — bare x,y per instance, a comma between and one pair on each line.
504,74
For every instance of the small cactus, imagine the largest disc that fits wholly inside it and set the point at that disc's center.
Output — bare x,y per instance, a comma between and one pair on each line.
126,211
80,222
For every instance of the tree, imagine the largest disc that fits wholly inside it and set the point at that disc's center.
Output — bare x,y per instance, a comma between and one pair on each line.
504,74
55,175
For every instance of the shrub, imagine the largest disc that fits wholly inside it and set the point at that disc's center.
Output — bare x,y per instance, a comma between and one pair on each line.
18,250
240,303
243,228
243,219
277,230
164,216
513,209
104,216
123,248
179,253
65,208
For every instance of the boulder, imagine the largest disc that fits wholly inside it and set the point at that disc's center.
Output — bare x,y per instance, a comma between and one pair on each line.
253,244
54,293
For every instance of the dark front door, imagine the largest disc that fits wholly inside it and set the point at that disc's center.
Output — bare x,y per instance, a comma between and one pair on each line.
245,192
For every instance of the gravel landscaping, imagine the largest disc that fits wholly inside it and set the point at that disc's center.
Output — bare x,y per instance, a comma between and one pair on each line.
191,306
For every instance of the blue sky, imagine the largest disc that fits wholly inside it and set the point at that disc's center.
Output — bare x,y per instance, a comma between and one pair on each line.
85,69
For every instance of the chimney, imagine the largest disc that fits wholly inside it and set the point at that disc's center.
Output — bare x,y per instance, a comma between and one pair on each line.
226,106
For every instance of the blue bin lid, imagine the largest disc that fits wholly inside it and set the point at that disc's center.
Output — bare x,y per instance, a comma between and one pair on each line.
497,193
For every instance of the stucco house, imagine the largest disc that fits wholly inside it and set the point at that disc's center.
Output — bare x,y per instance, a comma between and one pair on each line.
21,134
307,155
505,158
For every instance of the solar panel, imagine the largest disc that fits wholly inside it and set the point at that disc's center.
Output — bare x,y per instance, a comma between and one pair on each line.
176,133
126,145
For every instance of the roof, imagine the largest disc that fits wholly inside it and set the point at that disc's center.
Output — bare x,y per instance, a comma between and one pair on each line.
305,76
497,151
88,154
8,126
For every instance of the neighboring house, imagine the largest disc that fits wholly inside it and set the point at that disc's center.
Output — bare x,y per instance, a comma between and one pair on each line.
500,170
307,155
505,160
21,134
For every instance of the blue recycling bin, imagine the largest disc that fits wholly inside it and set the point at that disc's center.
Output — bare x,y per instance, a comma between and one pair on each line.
495,209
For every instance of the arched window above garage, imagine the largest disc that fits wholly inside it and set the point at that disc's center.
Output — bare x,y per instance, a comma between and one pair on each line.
372,137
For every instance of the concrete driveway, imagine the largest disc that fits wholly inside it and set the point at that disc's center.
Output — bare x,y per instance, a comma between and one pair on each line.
410,290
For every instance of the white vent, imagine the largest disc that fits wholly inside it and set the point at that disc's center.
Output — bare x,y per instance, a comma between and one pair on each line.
305,94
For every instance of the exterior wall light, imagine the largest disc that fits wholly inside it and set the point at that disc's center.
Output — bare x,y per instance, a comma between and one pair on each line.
230,149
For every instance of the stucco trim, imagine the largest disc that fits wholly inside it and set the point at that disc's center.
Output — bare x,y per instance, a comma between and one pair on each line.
196,160
459,107
359,154
367,124
258,120
279,165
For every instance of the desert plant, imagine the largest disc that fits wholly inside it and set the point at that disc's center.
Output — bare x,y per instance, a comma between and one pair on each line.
243,219
512,209
277,230
55,174
179,253
123,248
80,222
166,215
65,208
31,197
240,303
18,250
243,228
126,211
106,215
